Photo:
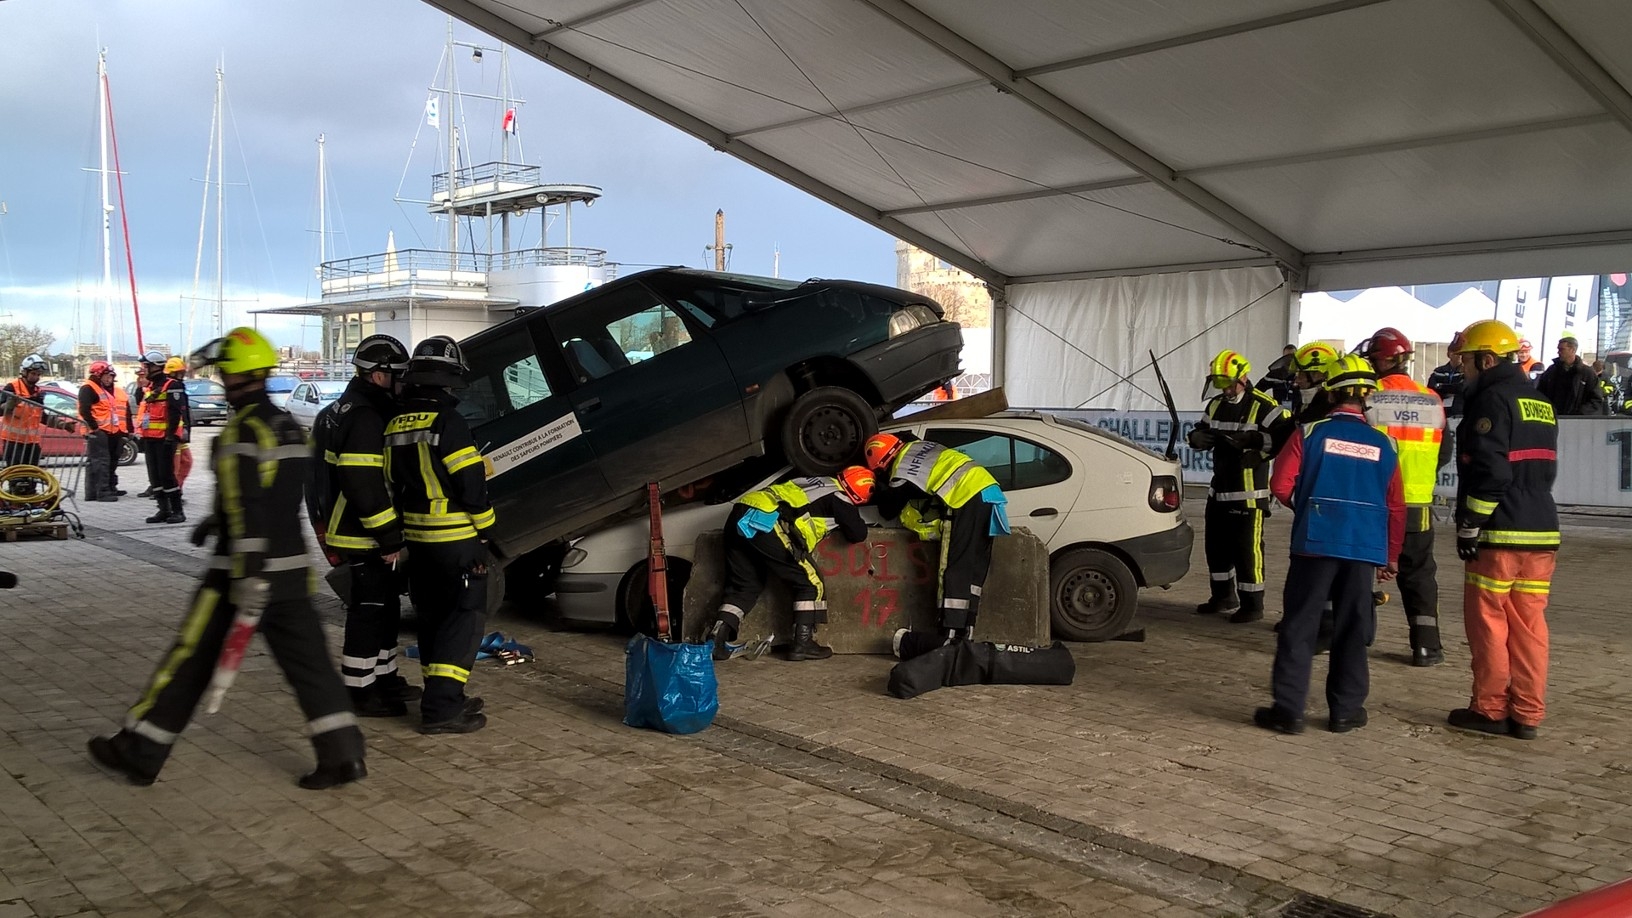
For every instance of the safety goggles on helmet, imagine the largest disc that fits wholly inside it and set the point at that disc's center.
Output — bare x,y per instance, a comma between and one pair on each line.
880,449
242,350
155,358
34,362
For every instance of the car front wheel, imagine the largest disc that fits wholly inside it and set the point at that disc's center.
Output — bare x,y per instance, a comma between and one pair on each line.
1092,595
825,430
635,611
128,451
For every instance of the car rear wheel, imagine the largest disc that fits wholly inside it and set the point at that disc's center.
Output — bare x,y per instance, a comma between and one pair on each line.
825,430
1092,595
635,610
128,451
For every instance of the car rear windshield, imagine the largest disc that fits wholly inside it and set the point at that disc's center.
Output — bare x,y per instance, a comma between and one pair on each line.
205,387
281,383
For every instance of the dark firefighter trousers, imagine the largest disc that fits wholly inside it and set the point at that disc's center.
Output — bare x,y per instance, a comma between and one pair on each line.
291,629
451,602
1418,580
1310,583
1234,546
368,652
161,468
102,457
966,559
749,561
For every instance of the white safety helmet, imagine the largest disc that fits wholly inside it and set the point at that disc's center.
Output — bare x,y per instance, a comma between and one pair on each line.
34,362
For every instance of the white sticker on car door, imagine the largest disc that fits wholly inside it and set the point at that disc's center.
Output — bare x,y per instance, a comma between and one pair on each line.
531,446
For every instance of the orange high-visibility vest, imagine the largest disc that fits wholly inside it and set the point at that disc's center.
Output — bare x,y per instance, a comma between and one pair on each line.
156,422
109,409
23,424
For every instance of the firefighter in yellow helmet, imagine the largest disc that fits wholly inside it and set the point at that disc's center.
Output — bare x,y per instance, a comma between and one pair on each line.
774,531
1243,428
164,424
943,495
1414,417
1506,533
257,578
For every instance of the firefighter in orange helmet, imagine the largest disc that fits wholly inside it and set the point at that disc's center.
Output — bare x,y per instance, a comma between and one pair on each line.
774,531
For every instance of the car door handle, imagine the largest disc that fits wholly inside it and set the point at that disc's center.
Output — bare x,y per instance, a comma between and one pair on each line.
593,404
1044,511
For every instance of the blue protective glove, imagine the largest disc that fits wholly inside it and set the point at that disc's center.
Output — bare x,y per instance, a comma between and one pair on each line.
756,521
993,495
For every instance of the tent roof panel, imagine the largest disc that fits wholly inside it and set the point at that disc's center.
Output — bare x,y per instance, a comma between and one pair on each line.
1291,127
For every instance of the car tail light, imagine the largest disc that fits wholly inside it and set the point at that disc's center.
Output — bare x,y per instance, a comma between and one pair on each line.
908,318
1165,494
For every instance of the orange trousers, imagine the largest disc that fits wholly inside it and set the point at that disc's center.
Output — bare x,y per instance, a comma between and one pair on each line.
1504,607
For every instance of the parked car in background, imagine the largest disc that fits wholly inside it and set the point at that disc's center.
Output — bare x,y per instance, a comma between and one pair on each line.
674,374
206,402
57,444
1107,508
312,396
279,387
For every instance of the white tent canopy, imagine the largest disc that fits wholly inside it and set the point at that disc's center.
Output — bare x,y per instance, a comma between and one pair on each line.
1347,143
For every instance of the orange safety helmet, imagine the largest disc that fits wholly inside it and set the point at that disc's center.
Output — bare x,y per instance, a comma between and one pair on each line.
858,484
880,449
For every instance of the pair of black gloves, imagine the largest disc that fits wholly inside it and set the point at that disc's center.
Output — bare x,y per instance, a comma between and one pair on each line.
1203,437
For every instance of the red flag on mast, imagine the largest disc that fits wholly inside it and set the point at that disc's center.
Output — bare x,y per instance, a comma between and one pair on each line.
509,125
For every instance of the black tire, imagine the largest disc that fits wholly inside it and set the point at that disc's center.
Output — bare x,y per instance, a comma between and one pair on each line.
128,451
635,611
532,576
495,585
825,430
1092,596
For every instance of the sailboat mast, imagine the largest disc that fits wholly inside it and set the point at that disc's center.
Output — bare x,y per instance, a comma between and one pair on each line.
220,197
107,208
453,155
322,213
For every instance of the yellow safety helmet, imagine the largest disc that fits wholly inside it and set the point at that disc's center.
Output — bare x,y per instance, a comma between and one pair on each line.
1490,336
243,350
1227,367
1350,371
175,365
1314,357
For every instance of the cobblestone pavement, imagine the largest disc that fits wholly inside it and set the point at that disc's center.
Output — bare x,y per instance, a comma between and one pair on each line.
1141,789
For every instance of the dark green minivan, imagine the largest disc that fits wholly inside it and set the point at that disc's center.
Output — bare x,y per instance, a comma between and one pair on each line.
672,375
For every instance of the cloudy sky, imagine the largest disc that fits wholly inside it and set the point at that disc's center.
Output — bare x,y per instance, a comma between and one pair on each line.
358,72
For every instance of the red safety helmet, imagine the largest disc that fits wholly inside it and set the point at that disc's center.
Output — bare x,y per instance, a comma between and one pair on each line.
880,449
858,484
1455,347
1386,343
98,368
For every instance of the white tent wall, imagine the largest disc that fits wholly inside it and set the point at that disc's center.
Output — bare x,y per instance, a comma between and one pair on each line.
1067,344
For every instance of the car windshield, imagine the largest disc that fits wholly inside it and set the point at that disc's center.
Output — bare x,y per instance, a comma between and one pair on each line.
329,391
207,388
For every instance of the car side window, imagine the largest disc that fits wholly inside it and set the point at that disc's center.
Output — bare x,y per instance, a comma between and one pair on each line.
299,394
512,379
1016,463
624,328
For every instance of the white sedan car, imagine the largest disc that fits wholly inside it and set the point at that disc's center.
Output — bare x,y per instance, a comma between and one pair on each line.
1108,509
311,396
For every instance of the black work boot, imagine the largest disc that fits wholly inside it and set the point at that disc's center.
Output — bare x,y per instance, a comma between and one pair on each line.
163,513
327,776
466,721
805,646
106,753
1427,656
373,702
1216,603
1471,720
1251,610
723,633
176,516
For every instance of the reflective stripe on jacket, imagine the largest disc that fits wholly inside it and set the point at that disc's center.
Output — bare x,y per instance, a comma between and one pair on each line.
1239,475
944,473
348,491
24,417
1415,418
165,403
438,479
108,411
260,469
796,494
1507,460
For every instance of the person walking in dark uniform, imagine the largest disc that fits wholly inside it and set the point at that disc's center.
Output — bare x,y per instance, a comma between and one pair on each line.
774,531
1243,428
103,409
1570,383
1341,478
439,486
349,504
259,568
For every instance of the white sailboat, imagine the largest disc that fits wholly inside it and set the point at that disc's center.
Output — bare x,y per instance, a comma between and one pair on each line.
459,289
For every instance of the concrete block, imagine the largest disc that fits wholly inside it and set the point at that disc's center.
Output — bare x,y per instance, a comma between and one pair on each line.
877,586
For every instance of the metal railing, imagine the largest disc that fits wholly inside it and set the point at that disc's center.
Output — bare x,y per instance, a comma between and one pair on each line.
436,266
486,172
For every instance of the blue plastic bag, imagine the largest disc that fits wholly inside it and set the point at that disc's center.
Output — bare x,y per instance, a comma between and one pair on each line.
669,687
